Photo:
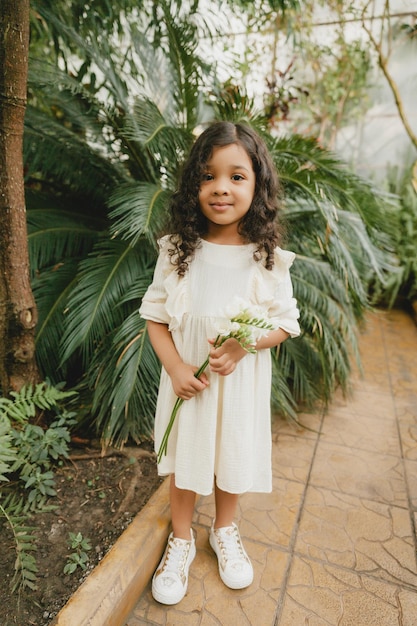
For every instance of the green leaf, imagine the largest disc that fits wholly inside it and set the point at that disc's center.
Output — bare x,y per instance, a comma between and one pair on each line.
93,307
138,209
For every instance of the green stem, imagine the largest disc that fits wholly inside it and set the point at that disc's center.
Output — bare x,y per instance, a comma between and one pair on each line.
164,443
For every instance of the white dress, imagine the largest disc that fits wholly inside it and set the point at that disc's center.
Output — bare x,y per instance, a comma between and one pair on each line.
224,431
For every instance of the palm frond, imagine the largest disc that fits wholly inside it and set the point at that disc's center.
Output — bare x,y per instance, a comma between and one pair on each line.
51,289
180,42
402,284
230,102
55,236
124,372
101,52
95,115
312,173
94,309
282,397
328,322
106,19
138,209
51,87
53,152
160,138
126,384
300,365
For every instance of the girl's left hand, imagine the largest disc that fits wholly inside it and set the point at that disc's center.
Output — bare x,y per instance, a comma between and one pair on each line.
223,360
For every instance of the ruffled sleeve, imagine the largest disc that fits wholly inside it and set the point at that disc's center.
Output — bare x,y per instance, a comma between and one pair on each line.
153,302
274,291
165,299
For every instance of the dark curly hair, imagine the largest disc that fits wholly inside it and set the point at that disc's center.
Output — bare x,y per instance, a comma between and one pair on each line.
188,224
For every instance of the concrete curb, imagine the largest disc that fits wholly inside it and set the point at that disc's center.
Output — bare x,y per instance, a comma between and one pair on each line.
110,592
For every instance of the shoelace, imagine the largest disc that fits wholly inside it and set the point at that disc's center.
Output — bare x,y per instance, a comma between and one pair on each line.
231,546
176,557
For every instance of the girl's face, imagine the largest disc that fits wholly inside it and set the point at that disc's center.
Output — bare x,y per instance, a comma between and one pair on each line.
226,192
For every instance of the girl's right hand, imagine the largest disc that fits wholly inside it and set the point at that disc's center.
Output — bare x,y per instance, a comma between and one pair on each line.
185,384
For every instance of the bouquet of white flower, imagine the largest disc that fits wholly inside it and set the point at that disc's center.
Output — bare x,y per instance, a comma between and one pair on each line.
244,322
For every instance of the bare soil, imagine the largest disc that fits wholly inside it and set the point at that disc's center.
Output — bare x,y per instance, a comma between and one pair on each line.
97,496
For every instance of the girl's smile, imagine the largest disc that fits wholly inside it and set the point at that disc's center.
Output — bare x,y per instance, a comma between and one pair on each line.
227,191
220,206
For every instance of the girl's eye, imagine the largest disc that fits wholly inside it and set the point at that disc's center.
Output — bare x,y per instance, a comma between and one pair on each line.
207,177
237,177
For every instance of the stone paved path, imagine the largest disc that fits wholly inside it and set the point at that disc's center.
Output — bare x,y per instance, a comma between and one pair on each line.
335,543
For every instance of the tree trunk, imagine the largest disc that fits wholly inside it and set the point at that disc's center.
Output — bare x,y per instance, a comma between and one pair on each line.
18,313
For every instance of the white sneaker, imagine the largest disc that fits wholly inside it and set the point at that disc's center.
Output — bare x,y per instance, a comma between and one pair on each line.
235,568
170,581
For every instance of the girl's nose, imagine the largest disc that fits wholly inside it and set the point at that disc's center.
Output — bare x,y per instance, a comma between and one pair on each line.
221,189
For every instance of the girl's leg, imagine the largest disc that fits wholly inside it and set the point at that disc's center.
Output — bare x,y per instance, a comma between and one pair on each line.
169,583
226,505
182,504
235,568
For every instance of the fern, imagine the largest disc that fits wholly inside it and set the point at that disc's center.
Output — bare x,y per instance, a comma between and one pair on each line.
8,454
27,452
13,509
24,403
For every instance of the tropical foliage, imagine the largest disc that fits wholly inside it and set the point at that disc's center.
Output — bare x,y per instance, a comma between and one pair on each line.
27,456
402,285
104,145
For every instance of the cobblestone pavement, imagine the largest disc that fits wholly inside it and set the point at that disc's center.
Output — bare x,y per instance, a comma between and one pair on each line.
334,544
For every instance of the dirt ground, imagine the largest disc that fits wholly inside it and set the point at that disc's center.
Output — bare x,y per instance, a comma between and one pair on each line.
97,497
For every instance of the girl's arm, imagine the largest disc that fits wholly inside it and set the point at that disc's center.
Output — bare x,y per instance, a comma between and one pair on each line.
184,383
272,339
223,360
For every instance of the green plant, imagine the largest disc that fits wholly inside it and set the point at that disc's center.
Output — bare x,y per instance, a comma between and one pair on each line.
79,558
403,284
107,167
13,510
37,448
81,259
8,454
335,86
27,455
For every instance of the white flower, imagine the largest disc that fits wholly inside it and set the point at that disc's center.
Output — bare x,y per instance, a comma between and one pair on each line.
225,327
258,333
236,306
255,311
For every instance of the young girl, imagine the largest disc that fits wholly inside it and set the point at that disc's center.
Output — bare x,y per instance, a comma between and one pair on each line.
223,244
